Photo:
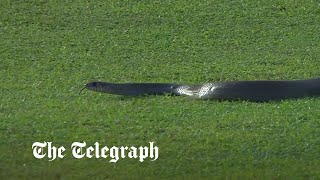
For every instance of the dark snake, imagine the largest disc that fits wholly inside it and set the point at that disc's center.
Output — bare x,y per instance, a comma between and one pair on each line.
257,91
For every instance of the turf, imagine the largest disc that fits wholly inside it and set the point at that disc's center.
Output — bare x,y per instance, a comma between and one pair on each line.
49,49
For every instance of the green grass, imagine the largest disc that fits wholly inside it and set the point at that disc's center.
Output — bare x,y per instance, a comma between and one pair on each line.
49,49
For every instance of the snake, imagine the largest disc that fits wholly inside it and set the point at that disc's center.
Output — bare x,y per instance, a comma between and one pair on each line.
247,90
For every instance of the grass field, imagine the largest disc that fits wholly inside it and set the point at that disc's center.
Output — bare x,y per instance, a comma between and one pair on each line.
50,49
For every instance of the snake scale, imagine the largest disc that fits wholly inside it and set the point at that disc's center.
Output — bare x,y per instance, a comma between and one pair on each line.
256,91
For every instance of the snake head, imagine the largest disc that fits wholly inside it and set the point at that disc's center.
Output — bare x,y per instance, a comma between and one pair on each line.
90,85
97,86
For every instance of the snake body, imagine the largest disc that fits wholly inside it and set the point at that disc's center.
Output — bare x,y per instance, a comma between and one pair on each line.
257,91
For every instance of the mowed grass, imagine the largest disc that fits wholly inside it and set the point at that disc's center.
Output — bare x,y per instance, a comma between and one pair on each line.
50,49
